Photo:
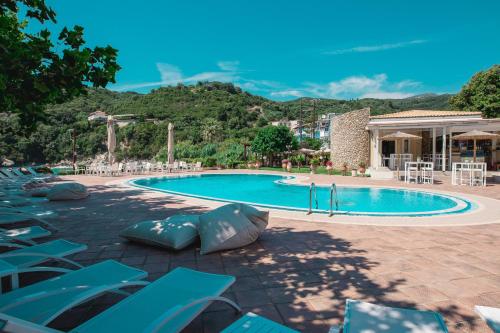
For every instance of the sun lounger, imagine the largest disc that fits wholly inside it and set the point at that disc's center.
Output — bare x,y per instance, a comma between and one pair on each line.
34,255
366,317
252,323
166,305
13,218
490,315
23,235
42,302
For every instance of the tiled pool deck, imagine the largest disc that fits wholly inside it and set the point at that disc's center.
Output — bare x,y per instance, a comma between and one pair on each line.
300,272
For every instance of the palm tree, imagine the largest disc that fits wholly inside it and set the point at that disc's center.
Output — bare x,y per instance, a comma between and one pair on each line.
211,129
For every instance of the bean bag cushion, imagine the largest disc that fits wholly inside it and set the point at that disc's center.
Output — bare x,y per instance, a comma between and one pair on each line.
67,191
175,232
228,227
259,218
38,192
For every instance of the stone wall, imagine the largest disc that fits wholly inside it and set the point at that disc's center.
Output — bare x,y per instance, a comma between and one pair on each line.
349,139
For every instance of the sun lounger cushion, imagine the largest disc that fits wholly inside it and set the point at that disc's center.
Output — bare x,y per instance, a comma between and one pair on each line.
175,232
67,191
225,228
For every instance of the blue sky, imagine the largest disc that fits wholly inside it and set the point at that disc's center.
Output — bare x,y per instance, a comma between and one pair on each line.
287,49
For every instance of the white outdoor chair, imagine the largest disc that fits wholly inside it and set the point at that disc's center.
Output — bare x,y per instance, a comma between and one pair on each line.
427,171
411,172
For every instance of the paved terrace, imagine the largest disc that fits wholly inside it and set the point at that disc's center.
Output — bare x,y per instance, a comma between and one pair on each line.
300,273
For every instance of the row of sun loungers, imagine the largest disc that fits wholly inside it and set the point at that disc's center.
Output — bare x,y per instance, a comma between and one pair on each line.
137,168
167,304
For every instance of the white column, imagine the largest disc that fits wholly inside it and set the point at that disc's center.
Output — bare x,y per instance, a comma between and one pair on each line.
449,150
443,151
494,154
376,144
434,145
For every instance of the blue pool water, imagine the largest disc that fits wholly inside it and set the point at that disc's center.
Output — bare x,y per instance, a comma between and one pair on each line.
271,191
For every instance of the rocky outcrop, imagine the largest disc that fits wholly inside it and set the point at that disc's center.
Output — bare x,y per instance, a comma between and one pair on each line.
350,139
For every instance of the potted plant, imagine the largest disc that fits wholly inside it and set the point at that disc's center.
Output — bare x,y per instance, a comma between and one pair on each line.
345,166
314,164
289,166
354,172
329,167
362,168
284,164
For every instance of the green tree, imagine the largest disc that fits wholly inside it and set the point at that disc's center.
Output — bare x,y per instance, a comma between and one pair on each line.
481,93
273,140
311,143
34,72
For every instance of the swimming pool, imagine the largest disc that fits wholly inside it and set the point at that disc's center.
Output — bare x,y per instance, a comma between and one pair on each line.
274,191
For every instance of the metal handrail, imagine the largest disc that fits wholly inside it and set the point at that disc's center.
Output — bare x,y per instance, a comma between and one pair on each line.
333,190
312,189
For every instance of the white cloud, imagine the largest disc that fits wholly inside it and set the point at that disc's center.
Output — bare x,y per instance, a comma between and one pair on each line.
287,93
358,86
172,75
387,94
376,86
229,65
169,73
375,48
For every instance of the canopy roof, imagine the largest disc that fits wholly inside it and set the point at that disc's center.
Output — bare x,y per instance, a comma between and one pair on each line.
400,135
476,135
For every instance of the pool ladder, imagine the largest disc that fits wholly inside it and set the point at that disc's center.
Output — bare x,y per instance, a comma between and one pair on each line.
333,193
312,194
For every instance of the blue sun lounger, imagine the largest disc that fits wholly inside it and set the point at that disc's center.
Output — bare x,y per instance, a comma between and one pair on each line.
366,317
166,305
22,235
44,301
252,323
25,257
12,217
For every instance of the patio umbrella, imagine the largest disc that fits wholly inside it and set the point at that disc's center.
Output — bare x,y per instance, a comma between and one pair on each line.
396,136
111,139
475,135
170,147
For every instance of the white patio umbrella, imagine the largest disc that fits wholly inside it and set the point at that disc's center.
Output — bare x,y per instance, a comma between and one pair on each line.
170,147
475,135
111,139
396,136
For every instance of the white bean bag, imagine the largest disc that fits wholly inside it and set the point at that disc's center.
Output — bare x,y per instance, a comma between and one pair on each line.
259,218
228,227
67,191
175,232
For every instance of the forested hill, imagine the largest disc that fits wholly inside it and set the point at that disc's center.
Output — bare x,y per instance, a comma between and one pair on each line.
207,112
224,101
